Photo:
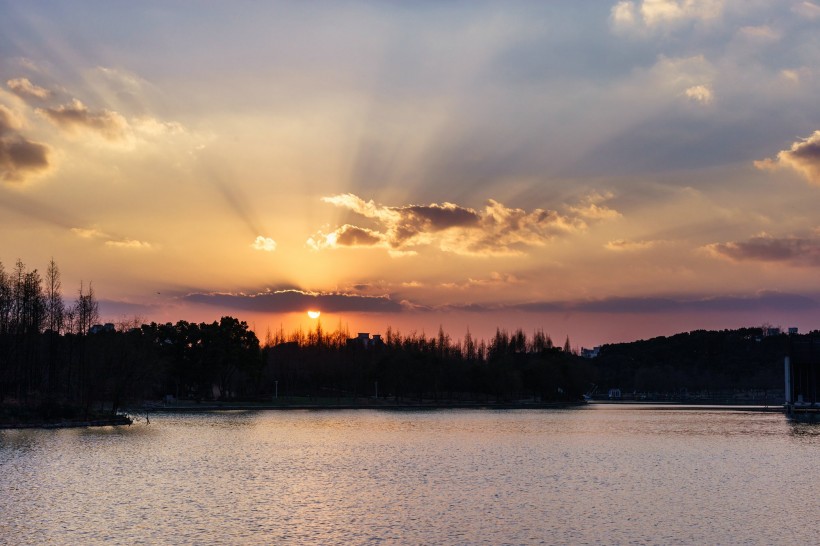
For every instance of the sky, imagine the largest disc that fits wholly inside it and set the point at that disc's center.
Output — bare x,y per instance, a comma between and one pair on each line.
602,170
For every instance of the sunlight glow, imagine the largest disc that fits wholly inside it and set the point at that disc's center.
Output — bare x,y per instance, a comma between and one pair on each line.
314,314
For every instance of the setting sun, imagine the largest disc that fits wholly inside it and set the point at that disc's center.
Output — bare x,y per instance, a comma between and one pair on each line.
314,314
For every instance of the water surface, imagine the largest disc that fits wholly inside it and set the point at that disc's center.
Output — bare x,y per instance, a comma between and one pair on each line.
598,475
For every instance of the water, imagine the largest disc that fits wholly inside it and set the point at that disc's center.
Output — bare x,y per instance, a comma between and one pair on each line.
598,475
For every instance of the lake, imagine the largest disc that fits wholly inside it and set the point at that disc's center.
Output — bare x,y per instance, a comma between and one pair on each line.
601,474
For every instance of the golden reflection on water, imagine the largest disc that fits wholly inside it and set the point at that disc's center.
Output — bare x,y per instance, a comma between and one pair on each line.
594,475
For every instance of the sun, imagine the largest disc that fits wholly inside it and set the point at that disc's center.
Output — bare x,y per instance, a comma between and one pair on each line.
314,314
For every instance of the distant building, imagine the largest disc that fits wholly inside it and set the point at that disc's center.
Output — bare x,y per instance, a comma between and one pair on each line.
364,340
99,328
590,353
772,331
793,331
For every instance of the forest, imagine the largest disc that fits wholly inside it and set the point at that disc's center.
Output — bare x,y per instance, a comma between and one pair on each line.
701,363
58,361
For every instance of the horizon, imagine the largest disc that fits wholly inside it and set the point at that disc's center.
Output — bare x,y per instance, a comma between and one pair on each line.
607,171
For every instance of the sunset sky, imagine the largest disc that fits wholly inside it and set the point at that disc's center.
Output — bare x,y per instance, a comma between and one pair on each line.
604,170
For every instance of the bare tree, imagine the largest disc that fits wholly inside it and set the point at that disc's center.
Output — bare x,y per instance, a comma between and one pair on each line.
55,307
6,300
86,310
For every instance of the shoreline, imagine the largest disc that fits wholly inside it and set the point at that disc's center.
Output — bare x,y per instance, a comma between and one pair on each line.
130,413
113,421
671,406
351,406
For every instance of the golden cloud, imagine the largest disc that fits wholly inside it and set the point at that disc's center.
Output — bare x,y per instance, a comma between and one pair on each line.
803,157
265,244
651,14
76,116
129,244
22,87
622,245
494,230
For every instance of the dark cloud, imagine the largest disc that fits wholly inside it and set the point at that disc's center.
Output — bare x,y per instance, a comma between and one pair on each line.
291,300
761,301
437,217
19,157
348,235
287,301
70,117
765,248
651,305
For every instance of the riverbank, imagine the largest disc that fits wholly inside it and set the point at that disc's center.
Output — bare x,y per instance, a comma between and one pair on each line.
332,404
370,404
17,417
688,406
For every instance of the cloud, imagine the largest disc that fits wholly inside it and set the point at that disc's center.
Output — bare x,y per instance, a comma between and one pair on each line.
800,251
622,245
760,301
791,75
19,156
111,241
265,244
76,116
495,230
349,236
591,209
699,93
288,301
809,10
803,157
762,33
22,87
128,244
88,233
494,280
650,15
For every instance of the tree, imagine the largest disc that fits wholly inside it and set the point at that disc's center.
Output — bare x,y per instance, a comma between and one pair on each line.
6,301
469,351
86,310
55,308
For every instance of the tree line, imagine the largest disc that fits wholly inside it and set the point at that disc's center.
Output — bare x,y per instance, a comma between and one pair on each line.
56,358
700,361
